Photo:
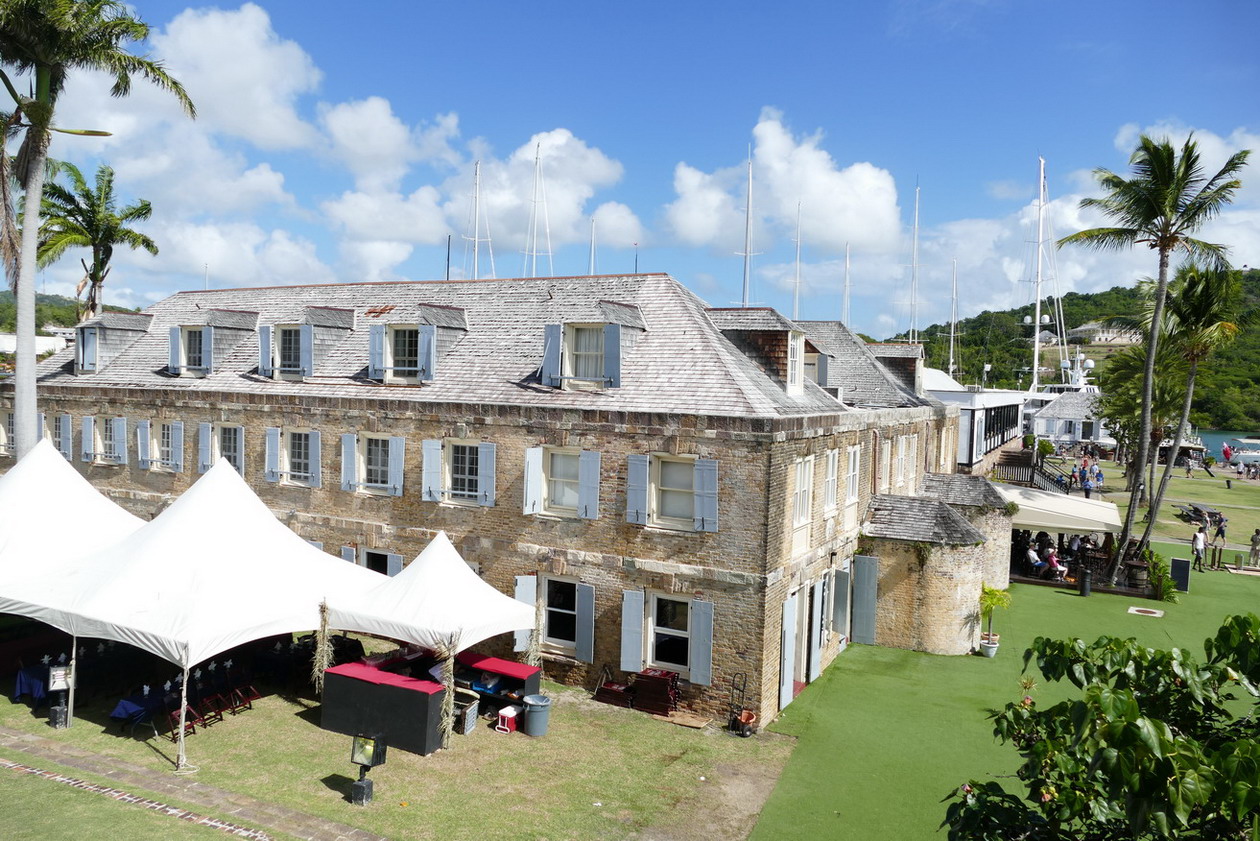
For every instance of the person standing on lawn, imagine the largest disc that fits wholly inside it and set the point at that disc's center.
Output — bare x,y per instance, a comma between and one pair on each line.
1197,544
1255,549
1221,521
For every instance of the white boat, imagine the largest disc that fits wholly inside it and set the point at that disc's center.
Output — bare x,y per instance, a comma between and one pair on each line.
1247,451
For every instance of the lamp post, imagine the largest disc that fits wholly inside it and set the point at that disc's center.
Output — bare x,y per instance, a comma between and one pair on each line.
367,752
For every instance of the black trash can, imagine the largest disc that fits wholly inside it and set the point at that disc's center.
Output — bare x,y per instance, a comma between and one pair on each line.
1085,581
537,714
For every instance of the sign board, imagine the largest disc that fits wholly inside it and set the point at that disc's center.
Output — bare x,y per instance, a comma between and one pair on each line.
58,678
1179,568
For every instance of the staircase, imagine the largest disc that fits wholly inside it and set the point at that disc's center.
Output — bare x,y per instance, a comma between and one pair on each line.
1018,468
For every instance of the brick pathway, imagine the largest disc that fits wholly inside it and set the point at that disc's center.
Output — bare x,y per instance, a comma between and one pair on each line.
244,811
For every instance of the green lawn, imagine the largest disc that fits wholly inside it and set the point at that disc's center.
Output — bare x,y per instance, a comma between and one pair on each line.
886,734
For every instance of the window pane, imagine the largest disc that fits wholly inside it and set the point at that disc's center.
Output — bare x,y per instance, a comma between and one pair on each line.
290,349
193,348
588,352
406,347
300,455
562,625
376,462
671,650
464,466
561,594
678,504
671,614
562,480
677,475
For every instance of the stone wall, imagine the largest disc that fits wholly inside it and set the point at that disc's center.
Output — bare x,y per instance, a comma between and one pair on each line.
928,596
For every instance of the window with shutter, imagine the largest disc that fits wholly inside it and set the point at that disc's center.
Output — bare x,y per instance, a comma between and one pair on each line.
8,436
588,356
86,350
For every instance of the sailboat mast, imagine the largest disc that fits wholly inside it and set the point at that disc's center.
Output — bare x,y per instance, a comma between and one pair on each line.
591,264
914,275
748,234
796,289
844,310
476,214
531,247
953,318
1041,205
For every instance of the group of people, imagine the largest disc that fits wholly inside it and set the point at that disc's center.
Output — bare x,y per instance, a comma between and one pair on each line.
1200,541
1088,475
1041,558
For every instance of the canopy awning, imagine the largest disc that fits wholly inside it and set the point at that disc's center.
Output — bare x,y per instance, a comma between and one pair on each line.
1058,512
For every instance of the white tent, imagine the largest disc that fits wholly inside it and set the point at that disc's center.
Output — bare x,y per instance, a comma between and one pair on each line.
436,601
1057,512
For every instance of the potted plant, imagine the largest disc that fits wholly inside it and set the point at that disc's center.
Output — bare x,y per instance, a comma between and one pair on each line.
991,598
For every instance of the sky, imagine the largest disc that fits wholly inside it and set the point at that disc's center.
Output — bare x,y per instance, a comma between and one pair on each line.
338,144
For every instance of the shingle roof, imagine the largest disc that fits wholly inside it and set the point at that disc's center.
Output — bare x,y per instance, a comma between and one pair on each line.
627,315
920,520
866,382
1070,405
749,318
330,317
961,489
122,320
896,350
680,364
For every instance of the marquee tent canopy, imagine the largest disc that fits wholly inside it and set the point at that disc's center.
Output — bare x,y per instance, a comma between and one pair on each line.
436,601
1058,512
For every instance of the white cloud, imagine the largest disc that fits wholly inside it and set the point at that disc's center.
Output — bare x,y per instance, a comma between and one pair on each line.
370,141
617,226
370,261
373,217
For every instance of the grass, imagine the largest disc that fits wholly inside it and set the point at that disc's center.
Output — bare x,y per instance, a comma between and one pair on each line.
886,734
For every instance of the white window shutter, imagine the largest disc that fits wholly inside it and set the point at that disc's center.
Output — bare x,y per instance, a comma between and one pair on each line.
349,553
485,473
814,627
533,493
89,438
585,640
431,470
376,351
637,489
822,369
306,350
701,666
120,440
588,484
631,630
177,446
39,426
428,353
317,460
207,336
349,462
176,352
552,353
205,453
706,483
143,442
393,564
396,445
264,350
612,355
527,592
271,453
66,444
318,544
787,653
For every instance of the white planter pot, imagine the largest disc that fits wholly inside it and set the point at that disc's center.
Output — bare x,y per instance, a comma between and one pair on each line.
988,649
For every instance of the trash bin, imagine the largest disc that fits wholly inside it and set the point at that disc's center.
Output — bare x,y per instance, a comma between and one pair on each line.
537,714
1086,580
1228,484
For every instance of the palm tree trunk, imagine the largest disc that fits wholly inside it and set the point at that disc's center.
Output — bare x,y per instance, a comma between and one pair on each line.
24,396
1157,498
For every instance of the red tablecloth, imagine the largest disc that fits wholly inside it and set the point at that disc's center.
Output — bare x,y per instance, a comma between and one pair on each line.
360,671
507,668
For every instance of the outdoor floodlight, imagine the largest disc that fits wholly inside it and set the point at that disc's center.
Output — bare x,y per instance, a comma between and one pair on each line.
367,752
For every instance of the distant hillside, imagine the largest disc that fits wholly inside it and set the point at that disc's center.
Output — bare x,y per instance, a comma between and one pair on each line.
1228,391
49,309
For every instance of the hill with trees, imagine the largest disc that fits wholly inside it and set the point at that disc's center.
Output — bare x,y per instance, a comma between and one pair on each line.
49,309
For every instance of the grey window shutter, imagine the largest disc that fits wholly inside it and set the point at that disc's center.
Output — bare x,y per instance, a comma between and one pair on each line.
612,355
631,630
701,642
264,350
306,350
318,544
428,352
533,493
177,446
89,438
814,667
66,444
637,489
204,453
706,482
396,445
787,653
376,351
588,484
485,473
393,564
39,426
271,452
176,352
317,460
143,442
120,440
208,347
840,602
822,369
585,623
431,470
349,462
349,553
865,594
240,448
526,591
552,353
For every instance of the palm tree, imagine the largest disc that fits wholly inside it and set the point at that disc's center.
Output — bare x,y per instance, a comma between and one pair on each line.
48,39
1201,305
1168,198
83,216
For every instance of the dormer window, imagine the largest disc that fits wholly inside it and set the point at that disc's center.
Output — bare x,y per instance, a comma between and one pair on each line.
404,346
402,353
795,362
191,350
582,356
286,350
85,350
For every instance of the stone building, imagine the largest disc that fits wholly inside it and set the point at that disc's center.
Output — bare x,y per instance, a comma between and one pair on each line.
665,480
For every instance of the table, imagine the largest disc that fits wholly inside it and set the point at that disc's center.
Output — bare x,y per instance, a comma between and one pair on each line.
33,681
405,711
134,707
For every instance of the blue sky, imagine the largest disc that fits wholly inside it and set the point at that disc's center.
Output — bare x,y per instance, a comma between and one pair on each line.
337,146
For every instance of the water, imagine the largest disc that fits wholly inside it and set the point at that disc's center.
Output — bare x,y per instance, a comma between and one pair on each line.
1214,438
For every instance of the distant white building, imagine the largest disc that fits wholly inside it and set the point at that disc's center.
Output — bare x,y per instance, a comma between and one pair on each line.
988,419
1096,332
1072,418
43,344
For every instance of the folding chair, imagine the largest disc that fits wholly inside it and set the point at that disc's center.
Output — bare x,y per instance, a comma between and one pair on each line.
243,698
191,720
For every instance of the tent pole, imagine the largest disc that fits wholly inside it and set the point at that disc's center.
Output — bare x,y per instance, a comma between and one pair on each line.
181,759
74,678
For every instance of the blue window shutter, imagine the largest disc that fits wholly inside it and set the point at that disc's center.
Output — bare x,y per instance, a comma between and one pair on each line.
631,630
822,369
701,642
85,349
533,492
526,591
208,347
612,355
431,470
637,489
349,462
120,440
814,667
264,350
177,446
143,441
306,350
66,444
376,351
240,448
706,481
428,353
39,426
585,624
393,564
318,544
485,473
204,453
271,452
396,445
176,352
840,602
317,461
787,653
89,437
552,353
865,595
349,553
588,484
